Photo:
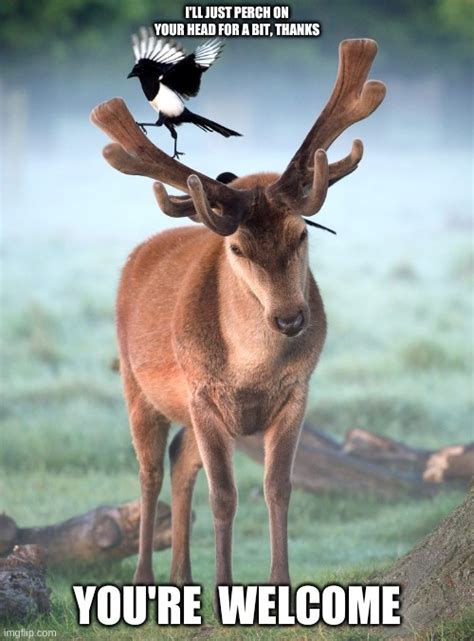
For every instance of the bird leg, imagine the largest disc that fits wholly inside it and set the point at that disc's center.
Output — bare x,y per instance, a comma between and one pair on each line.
142,125
174,134
171,128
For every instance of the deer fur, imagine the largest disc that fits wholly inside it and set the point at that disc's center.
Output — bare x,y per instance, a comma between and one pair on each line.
221,326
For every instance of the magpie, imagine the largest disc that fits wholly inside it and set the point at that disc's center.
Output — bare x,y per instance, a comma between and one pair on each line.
168,77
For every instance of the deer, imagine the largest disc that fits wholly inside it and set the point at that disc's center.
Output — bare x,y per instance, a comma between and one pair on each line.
221,325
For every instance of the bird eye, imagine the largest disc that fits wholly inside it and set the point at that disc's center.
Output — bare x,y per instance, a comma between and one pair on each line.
236,250
303,236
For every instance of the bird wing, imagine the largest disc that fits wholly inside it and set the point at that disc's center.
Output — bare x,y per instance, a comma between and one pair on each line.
184,77
163,51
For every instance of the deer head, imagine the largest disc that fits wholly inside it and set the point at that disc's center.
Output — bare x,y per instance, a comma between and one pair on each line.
260,216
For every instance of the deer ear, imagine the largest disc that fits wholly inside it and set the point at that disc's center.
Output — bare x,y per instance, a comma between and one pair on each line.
226,177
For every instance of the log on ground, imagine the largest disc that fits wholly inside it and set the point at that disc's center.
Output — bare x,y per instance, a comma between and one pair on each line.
369,462
103,534
23,590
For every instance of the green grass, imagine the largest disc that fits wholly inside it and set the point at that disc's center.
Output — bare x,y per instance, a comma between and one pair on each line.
397,361
333,539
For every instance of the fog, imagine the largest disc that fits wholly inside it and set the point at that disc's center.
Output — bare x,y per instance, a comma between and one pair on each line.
60,197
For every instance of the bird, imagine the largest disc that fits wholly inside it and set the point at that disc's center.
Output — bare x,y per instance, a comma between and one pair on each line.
169,77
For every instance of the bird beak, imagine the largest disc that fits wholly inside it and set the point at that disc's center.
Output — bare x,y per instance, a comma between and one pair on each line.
132,74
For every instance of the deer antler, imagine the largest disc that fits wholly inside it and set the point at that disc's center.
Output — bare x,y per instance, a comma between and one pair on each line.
347,165
304,183
174,206
352,99
133,153
317,194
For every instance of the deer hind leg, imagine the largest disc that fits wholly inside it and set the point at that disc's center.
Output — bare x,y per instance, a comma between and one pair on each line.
149,434
185,465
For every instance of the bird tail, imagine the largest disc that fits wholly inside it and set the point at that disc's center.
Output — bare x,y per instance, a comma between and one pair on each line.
209,125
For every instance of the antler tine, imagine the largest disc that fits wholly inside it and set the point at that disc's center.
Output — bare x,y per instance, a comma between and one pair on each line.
116,121
174,206
353,98
347,165
124,162
134,153
222,225
314,200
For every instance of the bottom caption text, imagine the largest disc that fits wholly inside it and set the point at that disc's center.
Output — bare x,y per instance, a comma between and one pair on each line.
307,605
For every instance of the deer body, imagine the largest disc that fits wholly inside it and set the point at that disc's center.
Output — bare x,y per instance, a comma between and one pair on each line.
183,274
220,329
196,347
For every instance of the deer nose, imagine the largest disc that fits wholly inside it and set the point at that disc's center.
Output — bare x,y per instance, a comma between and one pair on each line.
290,326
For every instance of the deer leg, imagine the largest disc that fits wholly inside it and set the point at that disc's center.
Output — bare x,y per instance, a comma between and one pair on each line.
280,442
149,433
172,129
185,465
216,448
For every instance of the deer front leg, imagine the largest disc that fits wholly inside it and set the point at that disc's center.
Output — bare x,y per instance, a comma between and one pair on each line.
216,448
280,442
185,465
150,433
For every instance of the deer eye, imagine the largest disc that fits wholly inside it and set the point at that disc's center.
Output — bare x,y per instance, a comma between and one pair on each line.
303,236
236,250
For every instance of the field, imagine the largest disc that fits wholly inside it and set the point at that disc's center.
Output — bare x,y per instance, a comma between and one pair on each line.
397,284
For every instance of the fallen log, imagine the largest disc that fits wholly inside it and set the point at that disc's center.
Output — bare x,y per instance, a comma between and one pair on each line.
368,462
381,448
453,462
23,590
447,463
103,534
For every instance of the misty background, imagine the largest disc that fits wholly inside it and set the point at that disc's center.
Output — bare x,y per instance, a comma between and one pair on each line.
69,220
61,59
396,281
403,255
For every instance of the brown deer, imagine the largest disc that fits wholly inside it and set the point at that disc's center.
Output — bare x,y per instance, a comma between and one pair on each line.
220,326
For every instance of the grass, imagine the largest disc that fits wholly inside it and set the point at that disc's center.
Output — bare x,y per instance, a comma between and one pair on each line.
398,361
459,629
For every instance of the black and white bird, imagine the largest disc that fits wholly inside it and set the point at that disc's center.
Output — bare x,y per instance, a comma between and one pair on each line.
168,77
